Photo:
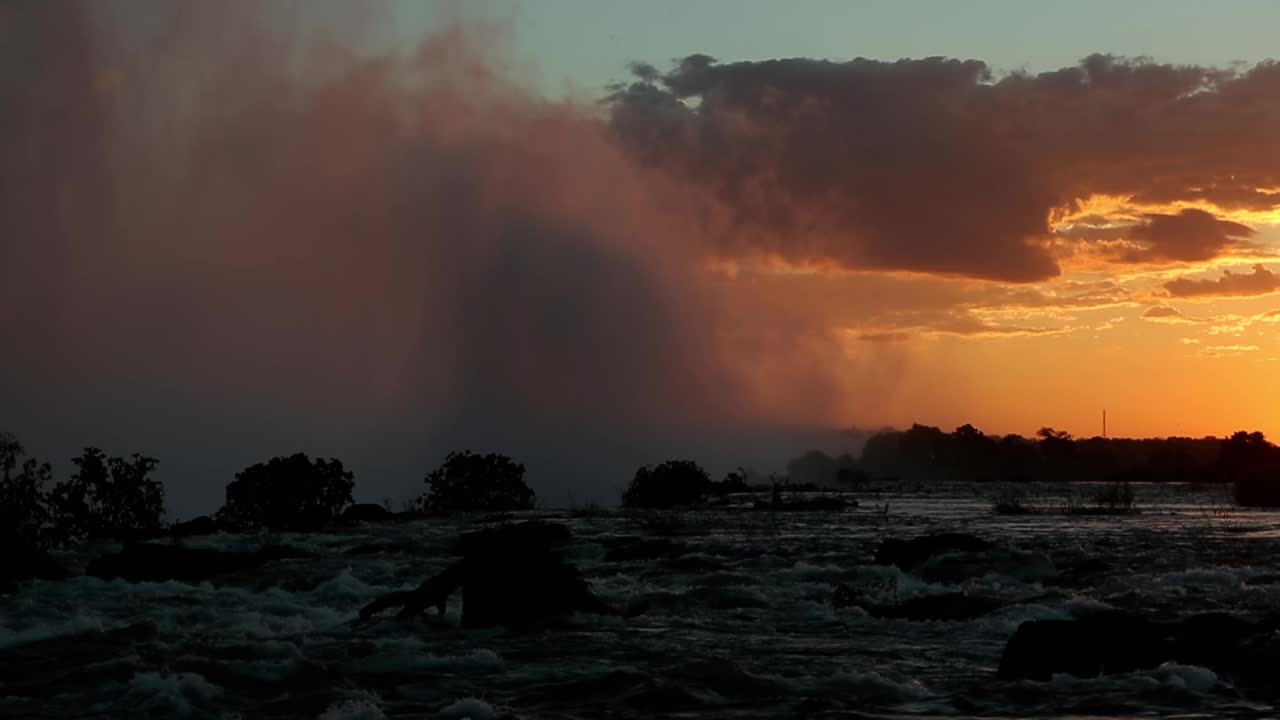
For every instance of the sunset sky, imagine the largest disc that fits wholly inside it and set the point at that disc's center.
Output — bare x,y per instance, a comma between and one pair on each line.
382,230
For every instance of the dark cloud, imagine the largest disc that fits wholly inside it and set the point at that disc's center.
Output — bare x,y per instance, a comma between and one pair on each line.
1165,314
935,165
1189,236
1258,282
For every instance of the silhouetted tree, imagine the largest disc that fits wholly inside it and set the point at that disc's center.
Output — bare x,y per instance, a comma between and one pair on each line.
107,497
288,493
24,515
671,484
1252,463
470,482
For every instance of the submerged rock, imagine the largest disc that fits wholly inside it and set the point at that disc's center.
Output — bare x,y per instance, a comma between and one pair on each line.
638,549
154,562
1243,651
909,554
945,606
510,576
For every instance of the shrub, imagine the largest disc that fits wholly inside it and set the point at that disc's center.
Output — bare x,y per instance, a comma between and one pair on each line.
1015,502
288,493
107,497
672,484
470,482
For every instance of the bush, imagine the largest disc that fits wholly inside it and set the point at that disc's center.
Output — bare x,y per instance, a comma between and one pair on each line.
288,493
107,497
672,484
470,482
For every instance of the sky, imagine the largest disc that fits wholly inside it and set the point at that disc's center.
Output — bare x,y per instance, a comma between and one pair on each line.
594,235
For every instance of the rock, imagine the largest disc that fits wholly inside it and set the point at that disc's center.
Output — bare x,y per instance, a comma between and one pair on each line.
1263,579
1242,651
511,576
655,549
956,567
28,564
202,525
366,513
154,562
908,554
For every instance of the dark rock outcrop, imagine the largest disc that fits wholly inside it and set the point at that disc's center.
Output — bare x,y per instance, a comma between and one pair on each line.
21,564
1243,651
366,513
511,576
202,525
908,554
154,562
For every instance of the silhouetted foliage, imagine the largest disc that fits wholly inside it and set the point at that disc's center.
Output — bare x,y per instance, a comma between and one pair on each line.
470,482
967,454
1252,463
672,484
24,515
107,497
288,493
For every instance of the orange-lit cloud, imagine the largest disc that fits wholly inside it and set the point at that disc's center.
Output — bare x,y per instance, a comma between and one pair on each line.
1258,282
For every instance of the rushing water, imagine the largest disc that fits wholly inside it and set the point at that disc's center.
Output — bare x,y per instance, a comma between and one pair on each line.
741,626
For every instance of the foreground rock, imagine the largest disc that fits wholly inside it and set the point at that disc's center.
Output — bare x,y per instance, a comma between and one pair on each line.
909,554
510,576
22,564
1243,652
153,562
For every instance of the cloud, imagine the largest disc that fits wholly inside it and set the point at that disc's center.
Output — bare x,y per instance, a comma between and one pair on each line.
937,166
1191,235
1167,315
1258,282
1223,350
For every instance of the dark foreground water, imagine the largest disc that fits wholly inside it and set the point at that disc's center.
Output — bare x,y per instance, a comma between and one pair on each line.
741,626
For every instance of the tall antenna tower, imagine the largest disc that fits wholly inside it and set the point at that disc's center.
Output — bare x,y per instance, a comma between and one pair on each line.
1104,423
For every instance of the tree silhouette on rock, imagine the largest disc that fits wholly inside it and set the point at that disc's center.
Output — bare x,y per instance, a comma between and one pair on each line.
107,497
672,484
471,482
288,493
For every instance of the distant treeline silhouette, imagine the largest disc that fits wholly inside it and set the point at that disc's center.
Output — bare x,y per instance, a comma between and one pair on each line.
111,497
925,453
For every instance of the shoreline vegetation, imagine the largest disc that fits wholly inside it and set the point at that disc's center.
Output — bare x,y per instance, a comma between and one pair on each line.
118,498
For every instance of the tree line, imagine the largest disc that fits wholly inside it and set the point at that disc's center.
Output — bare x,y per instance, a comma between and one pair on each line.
113,497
